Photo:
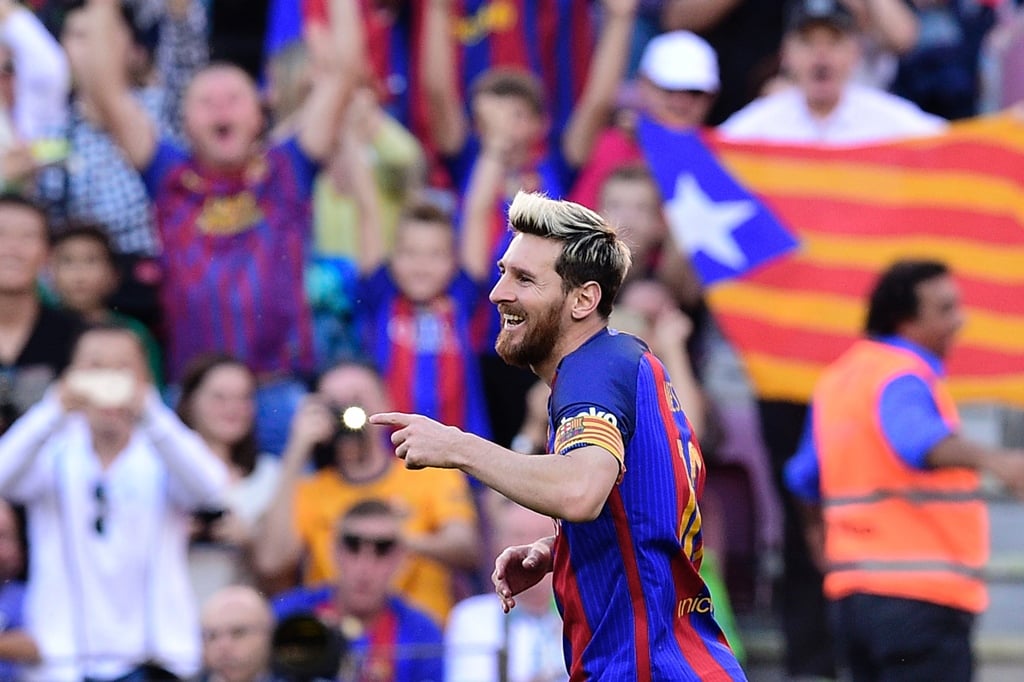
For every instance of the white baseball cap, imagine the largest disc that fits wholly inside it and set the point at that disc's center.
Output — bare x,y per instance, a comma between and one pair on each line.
680,60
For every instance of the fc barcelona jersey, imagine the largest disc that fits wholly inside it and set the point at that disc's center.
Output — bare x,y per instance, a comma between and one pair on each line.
627,583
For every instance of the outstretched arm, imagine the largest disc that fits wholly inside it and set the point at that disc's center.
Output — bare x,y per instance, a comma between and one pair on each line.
336,54
1006,465
448,125
606,73
694,15
573,487
105,84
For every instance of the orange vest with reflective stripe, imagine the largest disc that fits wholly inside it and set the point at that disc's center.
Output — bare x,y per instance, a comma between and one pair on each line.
891,529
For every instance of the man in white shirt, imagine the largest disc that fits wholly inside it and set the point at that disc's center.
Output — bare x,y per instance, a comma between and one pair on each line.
477,629
820,53
109,477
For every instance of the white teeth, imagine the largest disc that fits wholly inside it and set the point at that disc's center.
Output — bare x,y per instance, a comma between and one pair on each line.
512,320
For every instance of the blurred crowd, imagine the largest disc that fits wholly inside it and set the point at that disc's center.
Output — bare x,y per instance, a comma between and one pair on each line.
229,231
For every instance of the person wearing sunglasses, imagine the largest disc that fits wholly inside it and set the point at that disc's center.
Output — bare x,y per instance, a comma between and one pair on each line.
386,638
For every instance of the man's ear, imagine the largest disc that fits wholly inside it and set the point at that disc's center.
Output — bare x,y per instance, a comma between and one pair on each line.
585,300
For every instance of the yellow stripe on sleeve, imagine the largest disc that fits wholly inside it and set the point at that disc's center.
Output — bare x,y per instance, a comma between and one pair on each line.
584,430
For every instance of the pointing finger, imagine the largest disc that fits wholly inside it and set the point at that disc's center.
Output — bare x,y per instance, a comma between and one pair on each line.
391,418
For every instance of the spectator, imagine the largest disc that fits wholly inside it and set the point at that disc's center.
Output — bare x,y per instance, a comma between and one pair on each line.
375,151
96,184
108,476
415,313
217,401
896,516
17,647
630,199
35,341
677,84
745,34
237,626
820,52
233,210
388,639
440,530
479,638
85,277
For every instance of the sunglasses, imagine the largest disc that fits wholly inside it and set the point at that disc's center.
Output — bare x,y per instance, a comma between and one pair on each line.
354,544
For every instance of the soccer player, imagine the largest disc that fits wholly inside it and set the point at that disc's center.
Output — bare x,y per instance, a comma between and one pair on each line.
624,474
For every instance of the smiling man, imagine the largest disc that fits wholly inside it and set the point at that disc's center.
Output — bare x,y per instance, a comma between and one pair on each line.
233,214
624,474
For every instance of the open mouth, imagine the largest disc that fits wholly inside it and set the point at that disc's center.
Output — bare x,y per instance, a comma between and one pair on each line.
222,131
510,321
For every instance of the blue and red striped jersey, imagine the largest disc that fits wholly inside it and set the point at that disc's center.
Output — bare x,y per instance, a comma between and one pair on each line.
234,248
424,350
633,603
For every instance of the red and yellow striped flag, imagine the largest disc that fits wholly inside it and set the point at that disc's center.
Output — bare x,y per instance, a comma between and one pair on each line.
956,197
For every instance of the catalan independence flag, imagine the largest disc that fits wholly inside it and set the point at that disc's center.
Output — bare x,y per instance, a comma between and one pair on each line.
957,197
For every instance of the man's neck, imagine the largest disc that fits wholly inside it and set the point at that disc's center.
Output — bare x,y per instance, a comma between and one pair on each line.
108,446
18,315
574,337
365,469
18,310
822,109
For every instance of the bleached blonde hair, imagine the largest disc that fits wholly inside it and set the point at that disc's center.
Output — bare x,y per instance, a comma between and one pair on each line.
591,249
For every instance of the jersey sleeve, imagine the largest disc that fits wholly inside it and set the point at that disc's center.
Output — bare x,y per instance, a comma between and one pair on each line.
304,168
166,158
594,403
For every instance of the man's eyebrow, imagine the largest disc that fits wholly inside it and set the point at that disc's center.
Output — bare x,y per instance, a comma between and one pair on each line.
516,270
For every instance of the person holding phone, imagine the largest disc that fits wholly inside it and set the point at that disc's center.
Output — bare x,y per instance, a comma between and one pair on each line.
218,401
109,477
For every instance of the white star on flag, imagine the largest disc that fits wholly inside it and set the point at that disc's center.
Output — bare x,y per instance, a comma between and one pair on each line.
701,224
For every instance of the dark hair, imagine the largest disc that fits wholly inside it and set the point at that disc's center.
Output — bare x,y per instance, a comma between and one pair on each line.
113,326
16,200
90,231
630,172
510,82
243,453
894,299
369,508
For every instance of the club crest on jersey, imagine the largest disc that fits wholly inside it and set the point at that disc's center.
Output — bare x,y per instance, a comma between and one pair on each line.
569,429
593,412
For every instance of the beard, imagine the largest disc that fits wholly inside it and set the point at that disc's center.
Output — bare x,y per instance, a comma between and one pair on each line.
537,339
